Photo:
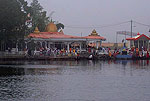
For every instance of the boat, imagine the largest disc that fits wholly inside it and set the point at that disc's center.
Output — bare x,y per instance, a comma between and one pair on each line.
120,56
124,55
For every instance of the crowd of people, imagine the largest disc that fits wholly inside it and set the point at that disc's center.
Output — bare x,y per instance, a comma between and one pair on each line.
52,52
134,52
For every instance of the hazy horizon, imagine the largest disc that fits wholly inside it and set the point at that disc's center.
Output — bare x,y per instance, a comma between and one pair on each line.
80,17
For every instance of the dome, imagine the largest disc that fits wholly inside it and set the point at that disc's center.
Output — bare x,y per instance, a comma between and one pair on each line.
51,27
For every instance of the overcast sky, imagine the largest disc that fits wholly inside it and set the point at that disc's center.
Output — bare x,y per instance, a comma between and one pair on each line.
92,14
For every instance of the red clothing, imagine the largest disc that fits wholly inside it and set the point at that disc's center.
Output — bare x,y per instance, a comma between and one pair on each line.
89,50
147,55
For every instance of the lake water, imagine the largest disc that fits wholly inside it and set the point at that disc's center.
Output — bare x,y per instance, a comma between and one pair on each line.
75,80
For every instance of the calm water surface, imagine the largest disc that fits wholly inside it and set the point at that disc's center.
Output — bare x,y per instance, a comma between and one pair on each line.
75,80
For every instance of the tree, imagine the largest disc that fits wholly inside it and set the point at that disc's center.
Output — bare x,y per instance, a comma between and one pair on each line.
12,20
38,16
59,26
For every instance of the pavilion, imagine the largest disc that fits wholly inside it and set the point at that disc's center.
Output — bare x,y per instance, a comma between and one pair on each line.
52,38
140,41
94,37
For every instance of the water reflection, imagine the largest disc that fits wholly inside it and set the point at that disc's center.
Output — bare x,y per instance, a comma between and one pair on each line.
10,71
141,63
8,68
121,80
138,63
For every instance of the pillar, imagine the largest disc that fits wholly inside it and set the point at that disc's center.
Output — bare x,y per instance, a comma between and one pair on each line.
49,45
148,45
26,45
35,46
143,44
101,43
133,43
45,44
80,46
17,47
40,44
138,44
96,44
35,49
68,47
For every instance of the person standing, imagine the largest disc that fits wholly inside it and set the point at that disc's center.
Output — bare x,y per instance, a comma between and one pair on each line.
147,55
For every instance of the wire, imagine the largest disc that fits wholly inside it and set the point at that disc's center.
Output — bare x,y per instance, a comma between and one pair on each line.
142,24
111,25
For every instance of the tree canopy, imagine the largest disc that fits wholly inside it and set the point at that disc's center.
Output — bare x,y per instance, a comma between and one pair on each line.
12,19
17,15
38,16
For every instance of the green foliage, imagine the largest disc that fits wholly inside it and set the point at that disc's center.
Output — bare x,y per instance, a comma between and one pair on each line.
12,19
60,26
38,16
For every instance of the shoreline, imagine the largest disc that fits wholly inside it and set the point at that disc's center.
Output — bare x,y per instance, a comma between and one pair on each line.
63,58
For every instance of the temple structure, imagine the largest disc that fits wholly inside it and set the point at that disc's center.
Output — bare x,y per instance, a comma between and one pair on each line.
51,38
94,37
140,41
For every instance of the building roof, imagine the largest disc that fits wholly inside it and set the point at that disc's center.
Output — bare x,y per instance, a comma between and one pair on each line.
52,33
48,35
138,37
94,35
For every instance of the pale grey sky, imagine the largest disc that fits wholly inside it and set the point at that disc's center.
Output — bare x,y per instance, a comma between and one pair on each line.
96,13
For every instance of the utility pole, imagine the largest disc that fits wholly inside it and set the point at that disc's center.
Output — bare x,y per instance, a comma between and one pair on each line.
131,28
131,34
81,34
116,37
